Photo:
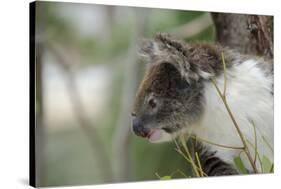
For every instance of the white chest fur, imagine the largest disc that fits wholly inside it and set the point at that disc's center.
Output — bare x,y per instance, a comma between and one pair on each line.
250,99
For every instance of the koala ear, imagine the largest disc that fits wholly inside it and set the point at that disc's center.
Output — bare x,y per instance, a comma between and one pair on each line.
158,49
148,49
164,49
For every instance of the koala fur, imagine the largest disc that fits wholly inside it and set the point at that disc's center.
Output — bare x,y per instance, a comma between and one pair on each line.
177,96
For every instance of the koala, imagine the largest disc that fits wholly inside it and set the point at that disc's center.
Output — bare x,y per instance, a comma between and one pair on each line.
177,97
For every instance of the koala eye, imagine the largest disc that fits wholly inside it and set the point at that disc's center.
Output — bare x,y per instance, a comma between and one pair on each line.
152,103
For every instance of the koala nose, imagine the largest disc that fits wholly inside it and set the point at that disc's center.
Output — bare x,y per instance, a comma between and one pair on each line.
139,129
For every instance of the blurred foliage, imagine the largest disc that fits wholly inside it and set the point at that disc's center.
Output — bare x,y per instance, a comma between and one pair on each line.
92,49
149,159
165,20
207,35
70,159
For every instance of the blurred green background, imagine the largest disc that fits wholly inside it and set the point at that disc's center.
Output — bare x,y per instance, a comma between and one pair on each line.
87,73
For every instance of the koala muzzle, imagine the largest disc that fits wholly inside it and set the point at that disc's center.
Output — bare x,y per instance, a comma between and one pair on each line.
139,128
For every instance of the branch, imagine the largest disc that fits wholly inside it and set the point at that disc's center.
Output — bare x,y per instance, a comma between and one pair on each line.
121,139
216,144
89,130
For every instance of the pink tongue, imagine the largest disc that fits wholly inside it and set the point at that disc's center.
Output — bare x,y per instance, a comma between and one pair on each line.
155,135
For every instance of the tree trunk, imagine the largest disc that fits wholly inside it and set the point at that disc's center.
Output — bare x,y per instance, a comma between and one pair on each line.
121,140
249,34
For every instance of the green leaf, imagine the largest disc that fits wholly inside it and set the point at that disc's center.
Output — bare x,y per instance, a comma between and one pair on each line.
266,165
166,178
240,165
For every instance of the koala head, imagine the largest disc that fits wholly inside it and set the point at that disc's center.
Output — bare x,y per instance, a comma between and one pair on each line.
170,97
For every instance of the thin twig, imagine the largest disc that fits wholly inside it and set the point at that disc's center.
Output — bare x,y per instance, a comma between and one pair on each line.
224,74
157,175
179,171
256,142
257,154
188,159
265,140
243,140
189,155
216,144
267,143
199,164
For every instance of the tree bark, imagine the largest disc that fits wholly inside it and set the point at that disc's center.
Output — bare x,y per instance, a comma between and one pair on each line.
249,34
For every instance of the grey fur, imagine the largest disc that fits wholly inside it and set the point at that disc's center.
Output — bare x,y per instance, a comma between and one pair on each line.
178,102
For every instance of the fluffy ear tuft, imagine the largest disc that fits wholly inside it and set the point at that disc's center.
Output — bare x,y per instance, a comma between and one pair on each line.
161,48
165,49
148,49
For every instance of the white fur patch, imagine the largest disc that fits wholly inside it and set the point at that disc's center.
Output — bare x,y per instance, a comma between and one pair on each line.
249,97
